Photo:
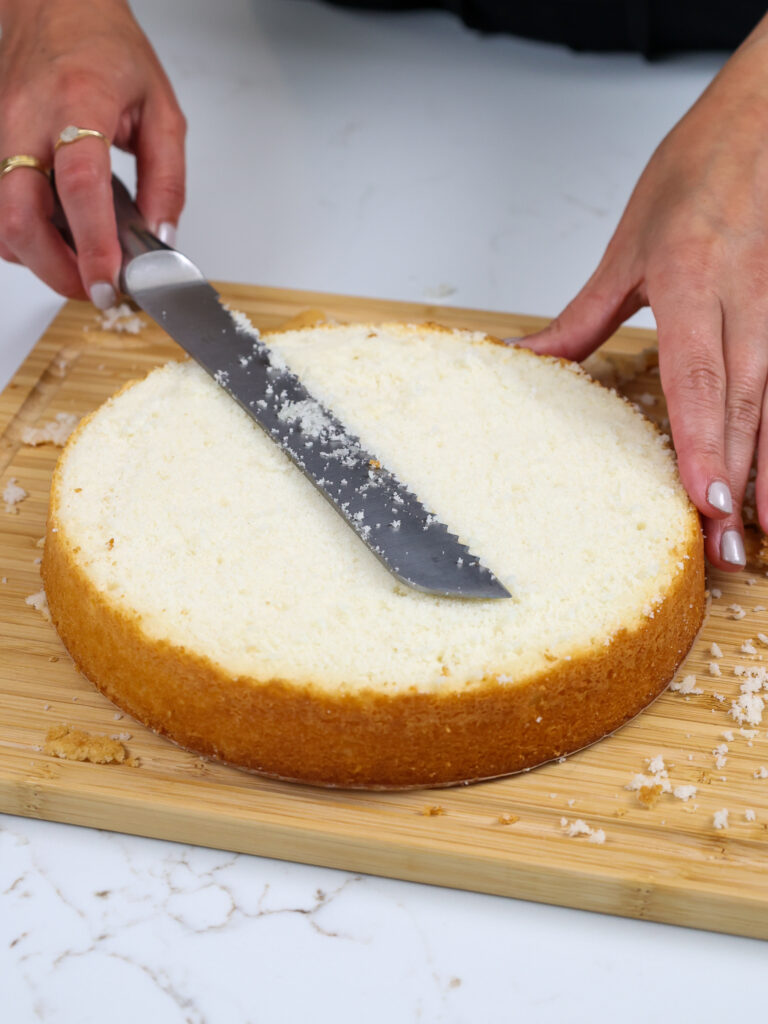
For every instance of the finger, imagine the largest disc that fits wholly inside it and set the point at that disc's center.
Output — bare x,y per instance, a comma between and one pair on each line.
161,168
84,184
693,378
746,370
724,542
761,482
602,305
26,203
7,255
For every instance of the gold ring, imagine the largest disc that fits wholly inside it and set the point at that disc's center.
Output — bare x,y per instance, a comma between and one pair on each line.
22,160
73,134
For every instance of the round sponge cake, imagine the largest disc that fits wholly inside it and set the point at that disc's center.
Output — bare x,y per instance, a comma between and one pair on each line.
205,586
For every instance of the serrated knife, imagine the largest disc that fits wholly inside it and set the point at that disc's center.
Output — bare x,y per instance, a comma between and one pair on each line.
409,539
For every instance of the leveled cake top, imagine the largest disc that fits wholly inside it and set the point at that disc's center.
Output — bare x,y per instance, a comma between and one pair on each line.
187,515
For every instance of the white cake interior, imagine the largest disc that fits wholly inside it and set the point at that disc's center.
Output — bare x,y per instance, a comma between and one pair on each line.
188,515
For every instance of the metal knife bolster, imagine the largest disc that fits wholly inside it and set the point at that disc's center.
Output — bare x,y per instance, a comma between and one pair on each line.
392,522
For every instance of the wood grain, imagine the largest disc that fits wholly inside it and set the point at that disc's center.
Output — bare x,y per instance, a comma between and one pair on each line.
664,863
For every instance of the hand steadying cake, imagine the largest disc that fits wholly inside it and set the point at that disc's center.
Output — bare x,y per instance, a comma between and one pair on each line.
692,243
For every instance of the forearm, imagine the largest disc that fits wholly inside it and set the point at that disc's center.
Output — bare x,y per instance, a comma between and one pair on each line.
744,77
759,31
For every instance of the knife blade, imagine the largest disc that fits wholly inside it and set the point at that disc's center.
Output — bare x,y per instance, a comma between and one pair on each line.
405,536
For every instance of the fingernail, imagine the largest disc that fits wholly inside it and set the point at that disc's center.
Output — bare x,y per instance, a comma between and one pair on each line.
103,295
513,342
166,232
719,497
732,548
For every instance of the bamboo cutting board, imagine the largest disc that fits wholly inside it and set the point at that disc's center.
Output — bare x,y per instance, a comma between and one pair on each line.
665,863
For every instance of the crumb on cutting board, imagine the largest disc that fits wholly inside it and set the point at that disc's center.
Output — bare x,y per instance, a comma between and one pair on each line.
720,818
76,745
39,602
56,431
432,810
508,819
121,319
684,793
649,795
13,495
579,827
686,685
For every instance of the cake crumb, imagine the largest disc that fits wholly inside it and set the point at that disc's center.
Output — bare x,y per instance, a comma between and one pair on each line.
748,647
686,685
649,795
13,495
508,819
719,752
716,592
56,431
761,773
432,811
715,651
581,828
684,792
121,319
720,819
39,602
714,669
75,745
749,814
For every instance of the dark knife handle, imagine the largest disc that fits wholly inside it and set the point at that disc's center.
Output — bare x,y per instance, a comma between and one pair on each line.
132,232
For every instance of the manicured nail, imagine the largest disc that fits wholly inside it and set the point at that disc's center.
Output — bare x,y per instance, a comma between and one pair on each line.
719,497
732,548
166,232
103,295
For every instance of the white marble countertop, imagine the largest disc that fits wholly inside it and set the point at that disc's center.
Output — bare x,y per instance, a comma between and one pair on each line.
403,157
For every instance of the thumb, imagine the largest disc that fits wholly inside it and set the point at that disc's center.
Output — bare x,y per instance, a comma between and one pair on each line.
600,308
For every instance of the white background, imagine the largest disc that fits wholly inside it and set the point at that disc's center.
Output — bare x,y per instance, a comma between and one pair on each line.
403,157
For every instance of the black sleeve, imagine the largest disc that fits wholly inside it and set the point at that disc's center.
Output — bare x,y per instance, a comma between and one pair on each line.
651,27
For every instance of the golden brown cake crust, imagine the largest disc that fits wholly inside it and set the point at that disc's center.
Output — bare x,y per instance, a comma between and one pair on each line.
369,740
